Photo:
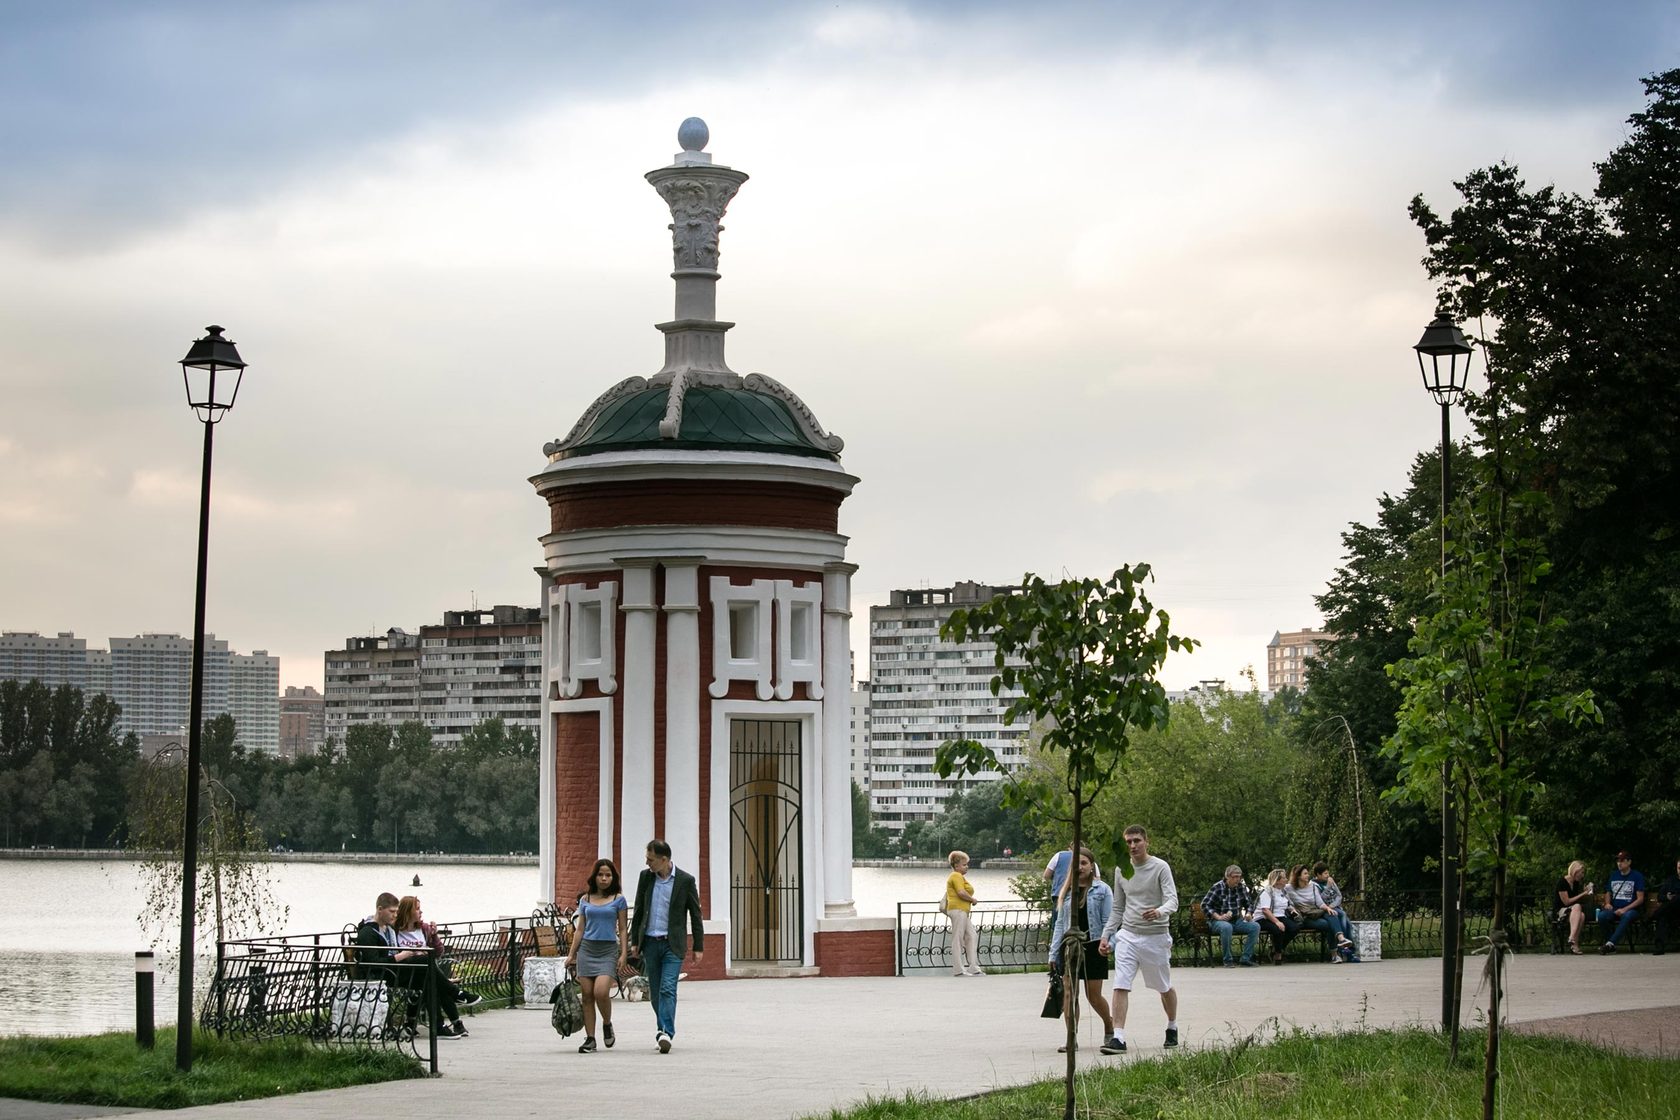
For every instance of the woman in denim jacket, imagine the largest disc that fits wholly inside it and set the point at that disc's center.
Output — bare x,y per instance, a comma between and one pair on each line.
1099,904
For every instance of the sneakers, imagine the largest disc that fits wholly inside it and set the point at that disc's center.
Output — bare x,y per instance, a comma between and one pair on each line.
1113,1046
1246,963
607,1035
663,1040
452,1030
588,1046
1172,1037
467,999
1230,964
1607,948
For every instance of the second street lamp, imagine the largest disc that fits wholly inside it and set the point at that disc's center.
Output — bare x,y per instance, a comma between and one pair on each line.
1443,355
209,358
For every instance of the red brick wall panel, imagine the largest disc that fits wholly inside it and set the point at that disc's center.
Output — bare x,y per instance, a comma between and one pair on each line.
577,778
693,501
864,952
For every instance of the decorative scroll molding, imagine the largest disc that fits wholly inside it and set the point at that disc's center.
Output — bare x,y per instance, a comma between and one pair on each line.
759,383
628,385
672,424
698,197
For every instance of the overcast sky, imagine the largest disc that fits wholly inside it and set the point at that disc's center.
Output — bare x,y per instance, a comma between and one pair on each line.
1079,284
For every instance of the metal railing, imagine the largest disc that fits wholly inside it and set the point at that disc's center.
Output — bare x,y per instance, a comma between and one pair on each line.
1017,934
313,985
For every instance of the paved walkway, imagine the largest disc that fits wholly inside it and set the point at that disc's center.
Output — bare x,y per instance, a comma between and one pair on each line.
794,1048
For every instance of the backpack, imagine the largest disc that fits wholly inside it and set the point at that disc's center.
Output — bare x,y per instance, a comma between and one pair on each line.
567,1000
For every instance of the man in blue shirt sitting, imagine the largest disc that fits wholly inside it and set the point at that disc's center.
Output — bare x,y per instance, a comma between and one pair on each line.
1627,895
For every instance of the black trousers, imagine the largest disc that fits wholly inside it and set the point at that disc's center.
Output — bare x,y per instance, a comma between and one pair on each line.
1282,937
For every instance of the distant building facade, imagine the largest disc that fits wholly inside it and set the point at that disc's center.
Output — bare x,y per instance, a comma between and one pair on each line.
303,721
473,665
150,678
26,655
925,691
859,755
1286,657
254,700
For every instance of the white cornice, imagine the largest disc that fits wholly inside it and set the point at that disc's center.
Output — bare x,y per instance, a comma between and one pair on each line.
591,550
621,466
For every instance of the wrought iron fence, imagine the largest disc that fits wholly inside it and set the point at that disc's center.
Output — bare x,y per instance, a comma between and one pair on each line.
312,986
1017,934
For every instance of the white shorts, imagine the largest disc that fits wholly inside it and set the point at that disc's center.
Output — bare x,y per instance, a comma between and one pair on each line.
1150,957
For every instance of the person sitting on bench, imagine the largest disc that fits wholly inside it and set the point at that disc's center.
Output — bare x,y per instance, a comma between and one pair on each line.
1627,895
376,950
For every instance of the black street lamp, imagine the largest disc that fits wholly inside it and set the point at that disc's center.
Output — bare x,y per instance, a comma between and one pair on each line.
1444,361
209,357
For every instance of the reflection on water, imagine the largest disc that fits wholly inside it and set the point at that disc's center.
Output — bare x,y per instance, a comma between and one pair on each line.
69,928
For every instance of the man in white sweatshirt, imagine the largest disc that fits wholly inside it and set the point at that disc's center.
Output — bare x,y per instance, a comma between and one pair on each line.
1141,938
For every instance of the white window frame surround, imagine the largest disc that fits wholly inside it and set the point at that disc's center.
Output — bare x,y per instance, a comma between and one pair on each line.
808,669
808,714
604,809
761,595
574,667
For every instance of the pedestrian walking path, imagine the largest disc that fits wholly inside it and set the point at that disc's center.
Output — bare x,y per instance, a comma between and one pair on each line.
793,1048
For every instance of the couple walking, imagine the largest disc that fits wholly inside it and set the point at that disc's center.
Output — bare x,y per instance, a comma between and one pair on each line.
667,909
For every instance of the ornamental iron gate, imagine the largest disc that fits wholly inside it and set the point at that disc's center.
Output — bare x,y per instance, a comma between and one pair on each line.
766,847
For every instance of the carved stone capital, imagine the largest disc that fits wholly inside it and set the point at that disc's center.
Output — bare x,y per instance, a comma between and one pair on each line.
698,197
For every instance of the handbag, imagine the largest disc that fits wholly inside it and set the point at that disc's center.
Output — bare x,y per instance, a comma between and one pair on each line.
567,1011
1309,913
1053,998
944,907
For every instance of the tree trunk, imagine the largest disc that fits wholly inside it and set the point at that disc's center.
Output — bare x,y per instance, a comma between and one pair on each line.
1073,964
1496,962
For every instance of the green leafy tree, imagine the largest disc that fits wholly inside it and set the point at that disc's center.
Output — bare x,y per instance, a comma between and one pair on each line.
1088,653
1585,298
1199,781
977,821
868,840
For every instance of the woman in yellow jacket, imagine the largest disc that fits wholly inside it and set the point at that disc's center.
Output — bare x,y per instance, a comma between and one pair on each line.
959,904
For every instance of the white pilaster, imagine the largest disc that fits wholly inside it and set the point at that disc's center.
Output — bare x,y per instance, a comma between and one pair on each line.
682,707
545,741
836,741
636,823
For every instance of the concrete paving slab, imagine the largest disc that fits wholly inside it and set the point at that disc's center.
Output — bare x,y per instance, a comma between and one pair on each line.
796,1048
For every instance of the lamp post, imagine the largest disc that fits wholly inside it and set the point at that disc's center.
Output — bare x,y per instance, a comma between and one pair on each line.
209,357
1444,361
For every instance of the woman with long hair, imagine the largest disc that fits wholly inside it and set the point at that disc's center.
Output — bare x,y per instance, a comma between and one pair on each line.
417,943
1271,910
1310,908
599,948
1573,898
1099,904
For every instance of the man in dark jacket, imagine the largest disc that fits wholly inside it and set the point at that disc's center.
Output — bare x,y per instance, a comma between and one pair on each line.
667,907
1668,909
376,950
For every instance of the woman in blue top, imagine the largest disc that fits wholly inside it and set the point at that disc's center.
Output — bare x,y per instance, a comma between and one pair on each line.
1099,904
598,930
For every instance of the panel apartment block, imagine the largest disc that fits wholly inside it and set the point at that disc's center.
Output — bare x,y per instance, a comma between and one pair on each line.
925,691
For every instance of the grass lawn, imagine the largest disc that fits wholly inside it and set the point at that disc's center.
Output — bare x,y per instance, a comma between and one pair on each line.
109,1069
1388,1074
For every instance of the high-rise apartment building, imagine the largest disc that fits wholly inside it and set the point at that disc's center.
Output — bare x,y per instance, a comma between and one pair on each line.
925,691
151,680
254,700
26,655
1286,656
373,679
858,760
479,664
450,676
303,721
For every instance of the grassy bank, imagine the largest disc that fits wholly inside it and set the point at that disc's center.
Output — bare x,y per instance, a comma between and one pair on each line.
1386,1074
109,1069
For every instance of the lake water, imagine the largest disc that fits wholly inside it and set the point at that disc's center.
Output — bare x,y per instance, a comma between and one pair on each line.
69,928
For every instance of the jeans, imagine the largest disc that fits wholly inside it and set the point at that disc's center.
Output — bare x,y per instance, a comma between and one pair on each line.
1249,930
1605,917
661,967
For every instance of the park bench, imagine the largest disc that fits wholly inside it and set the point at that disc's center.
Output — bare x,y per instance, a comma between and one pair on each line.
1592,934
1203,935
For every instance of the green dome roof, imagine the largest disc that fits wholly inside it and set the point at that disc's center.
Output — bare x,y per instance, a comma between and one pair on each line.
713,419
